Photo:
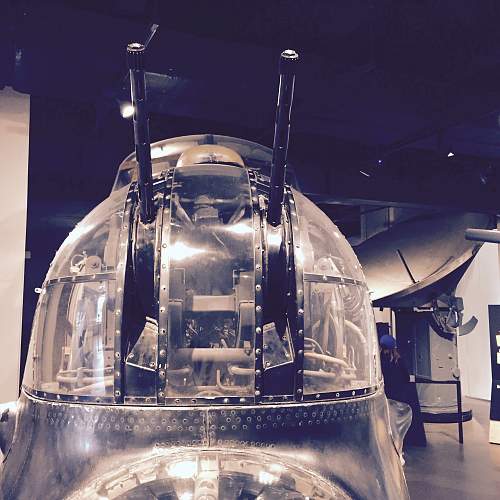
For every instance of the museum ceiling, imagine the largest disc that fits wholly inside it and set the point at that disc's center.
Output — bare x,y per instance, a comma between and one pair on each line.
385,91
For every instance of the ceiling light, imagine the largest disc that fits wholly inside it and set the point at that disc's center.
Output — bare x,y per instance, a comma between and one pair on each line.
451,154
127,110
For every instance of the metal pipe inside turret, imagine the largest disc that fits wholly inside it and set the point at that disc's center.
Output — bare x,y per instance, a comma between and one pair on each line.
135,60
288,61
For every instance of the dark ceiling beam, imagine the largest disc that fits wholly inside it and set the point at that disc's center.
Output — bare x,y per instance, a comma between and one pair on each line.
135,10
439,129
321,199
378,204
463,102
408,179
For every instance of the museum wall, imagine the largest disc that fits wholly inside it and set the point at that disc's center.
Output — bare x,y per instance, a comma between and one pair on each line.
14,142
479,287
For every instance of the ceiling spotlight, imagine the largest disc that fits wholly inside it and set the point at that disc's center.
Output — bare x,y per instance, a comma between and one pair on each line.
127,110
380,162
366,174
451,154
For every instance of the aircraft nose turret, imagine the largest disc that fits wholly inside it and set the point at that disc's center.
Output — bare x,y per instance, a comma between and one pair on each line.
206,332
205,283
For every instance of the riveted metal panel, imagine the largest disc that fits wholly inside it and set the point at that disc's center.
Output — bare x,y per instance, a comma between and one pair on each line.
259,285
298,334
121,268
163,290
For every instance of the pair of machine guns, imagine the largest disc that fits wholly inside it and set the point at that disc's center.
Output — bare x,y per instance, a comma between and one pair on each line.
287,70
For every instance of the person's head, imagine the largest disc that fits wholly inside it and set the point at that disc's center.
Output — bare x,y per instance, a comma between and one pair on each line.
383,329
387,342
388,347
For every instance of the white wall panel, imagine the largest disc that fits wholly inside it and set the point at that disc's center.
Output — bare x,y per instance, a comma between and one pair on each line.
479,287
14,142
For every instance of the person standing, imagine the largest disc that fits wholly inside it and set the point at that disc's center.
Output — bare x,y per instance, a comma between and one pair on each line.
399,388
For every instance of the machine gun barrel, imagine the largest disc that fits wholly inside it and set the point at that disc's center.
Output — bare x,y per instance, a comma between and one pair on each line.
135,59
288,61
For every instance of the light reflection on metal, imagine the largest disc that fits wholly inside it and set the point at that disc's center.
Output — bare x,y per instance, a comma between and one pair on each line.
267,478
180,251
184,470
240,228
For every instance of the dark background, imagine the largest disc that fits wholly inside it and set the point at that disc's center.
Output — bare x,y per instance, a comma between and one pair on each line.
385,90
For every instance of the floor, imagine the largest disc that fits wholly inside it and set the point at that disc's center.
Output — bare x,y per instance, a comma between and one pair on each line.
447,470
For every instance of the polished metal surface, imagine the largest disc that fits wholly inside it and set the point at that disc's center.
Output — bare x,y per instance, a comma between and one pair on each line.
61,450
167,372
405,265
215,339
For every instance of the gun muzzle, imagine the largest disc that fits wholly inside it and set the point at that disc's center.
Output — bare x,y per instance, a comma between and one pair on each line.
287,68
135,59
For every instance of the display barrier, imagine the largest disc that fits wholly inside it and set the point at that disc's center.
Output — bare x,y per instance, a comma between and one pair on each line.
457,383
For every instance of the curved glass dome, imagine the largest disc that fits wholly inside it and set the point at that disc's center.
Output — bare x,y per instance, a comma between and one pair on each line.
175,311
341,350
72,345
164,155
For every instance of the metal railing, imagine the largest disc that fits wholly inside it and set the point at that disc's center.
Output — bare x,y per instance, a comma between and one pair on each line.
457,383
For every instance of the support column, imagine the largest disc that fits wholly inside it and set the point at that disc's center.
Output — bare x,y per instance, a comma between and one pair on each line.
14,146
